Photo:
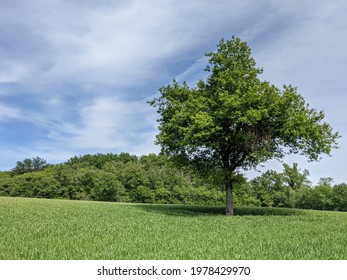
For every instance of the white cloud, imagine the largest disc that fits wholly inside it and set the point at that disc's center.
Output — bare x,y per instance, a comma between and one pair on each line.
121,43
108,123
12,71
7,113
122,46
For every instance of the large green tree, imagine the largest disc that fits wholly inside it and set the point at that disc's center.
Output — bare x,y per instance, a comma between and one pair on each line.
234,121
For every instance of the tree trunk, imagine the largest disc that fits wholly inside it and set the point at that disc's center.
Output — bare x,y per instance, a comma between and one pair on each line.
229,211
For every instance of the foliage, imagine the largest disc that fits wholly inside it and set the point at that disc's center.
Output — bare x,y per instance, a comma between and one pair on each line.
155,179
35,184
106,187
294,178
274,189
111,177
29,165
269,190
233,120
339,197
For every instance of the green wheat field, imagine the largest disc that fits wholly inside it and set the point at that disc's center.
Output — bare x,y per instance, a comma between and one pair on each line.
42,229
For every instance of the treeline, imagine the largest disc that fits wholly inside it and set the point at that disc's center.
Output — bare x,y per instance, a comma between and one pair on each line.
154,179
109,177
292,189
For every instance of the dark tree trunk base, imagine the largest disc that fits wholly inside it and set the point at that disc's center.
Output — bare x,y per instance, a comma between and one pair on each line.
229,211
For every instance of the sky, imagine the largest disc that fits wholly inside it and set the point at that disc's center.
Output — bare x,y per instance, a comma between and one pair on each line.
75,76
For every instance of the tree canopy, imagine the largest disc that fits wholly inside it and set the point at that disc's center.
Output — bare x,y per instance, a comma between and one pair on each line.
234,120
29,165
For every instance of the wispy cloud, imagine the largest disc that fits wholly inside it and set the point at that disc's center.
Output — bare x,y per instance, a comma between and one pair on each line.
12,71
107,123
8,113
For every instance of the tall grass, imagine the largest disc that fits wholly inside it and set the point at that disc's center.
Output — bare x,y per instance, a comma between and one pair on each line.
62,229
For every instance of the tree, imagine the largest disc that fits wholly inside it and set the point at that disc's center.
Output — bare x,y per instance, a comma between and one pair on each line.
29,165
106,187
294,178
340,197
234,121
322,198
269,189
326,181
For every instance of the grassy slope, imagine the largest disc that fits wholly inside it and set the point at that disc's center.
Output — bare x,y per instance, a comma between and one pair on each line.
59,229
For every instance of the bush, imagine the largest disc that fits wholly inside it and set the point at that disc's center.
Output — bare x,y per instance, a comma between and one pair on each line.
36,184
340,197
106,187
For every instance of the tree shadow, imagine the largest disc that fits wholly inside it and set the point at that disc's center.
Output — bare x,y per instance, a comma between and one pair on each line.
182,210
191,211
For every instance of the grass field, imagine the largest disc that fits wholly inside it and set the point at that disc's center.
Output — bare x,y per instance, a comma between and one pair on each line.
62,229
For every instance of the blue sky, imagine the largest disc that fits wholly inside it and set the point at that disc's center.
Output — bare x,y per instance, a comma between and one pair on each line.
75,75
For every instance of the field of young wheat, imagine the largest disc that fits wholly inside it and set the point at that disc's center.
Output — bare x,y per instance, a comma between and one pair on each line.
74,230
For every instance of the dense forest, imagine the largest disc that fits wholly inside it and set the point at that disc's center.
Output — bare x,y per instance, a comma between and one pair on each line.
155,179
